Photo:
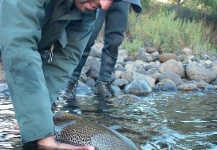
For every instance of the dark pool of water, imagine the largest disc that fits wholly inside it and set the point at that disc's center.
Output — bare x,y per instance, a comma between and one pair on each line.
170,121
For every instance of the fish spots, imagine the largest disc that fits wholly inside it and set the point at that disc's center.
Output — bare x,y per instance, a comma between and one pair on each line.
84,132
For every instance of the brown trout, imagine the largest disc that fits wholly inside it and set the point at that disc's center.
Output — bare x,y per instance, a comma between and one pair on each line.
78,131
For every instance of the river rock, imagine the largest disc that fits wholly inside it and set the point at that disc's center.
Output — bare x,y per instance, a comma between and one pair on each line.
201,84
155,56
119,67
127,75
188,58
152,71
155,76
150,80
96,50
139,87
131,57
130,67
166,82
83,77
197,72
147,67
187,87
94,67
141,62
86,67
172,76
120,82
143,55
122,55
136,65
206,63
151,49
172,65
141,71
165,85
118,73
214,82
117,90
167,56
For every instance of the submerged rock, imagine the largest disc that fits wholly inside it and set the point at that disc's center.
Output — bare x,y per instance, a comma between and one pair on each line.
139,87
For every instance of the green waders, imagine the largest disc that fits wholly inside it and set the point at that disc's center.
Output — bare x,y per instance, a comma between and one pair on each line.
25,27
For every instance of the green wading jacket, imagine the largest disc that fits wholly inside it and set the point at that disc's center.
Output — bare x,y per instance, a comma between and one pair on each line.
58,15
35,85
70,28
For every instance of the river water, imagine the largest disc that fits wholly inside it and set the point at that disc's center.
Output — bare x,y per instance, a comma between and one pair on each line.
168,121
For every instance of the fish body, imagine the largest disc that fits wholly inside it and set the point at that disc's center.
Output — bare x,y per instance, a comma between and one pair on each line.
78,131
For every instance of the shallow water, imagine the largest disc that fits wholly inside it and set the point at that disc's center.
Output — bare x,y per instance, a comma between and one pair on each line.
170,121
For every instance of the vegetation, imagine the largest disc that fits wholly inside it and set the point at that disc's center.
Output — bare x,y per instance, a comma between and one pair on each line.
170,27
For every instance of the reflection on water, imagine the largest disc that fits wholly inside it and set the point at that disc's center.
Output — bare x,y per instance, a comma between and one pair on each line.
160,121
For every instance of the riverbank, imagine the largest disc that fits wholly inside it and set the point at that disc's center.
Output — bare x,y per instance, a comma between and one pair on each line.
148,71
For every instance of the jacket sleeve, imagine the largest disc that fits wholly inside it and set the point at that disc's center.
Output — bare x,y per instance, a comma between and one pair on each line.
68,51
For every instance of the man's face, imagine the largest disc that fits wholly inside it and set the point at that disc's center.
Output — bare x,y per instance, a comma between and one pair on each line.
90,5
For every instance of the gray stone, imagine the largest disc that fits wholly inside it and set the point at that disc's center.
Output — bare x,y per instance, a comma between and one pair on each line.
187,87
172,76
197,72
167,56
172,65
138,87
120,82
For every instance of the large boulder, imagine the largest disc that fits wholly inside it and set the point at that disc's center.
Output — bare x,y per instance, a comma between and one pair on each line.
172,65
197,72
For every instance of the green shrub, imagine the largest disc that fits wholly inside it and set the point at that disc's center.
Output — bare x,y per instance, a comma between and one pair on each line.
160,31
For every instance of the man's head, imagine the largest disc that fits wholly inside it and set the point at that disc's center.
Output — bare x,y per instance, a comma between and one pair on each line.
90,5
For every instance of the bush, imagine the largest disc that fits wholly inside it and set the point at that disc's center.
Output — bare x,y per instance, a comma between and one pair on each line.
160,31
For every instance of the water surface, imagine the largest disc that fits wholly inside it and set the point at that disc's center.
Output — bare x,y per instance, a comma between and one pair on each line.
169,121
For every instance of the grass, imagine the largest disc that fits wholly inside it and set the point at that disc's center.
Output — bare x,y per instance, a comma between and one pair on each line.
160,31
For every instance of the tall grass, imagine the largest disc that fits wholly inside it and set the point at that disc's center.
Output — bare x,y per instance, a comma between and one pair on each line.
160,31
